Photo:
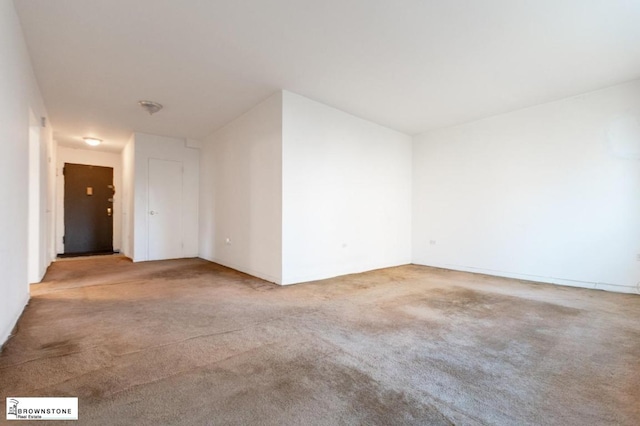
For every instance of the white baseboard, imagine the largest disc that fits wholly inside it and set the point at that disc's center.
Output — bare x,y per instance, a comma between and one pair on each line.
6,332
536,278
249,271
361,269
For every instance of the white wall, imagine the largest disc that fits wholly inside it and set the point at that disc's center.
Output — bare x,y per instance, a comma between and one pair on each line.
549,193
93,158
128,181
346,193
163,148
20,94
34,203
52,191
241,187
46,194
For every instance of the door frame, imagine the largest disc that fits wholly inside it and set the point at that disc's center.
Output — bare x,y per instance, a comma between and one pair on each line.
87,171
91,157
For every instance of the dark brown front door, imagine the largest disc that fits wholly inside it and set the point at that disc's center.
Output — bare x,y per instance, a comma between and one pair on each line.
88,209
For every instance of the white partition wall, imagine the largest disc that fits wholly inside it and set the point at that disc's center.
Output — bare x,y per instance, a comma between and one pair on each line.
294,191
241,192
346,193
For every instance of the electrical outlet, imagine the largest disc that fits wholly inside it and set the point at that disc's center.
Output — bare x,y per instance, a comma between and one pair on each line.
432,242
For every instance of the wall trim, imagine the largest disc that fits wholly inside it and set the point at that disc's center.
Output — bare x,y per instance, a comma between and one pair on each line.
8,332
617,288
249,271
309,278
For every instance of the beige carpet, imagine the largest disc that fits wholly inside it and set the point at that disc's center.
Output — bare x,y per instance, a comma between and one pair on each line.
191,342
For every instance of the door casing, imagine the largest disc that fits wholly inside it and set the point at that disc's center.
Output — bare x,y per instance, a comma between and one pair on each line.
88,209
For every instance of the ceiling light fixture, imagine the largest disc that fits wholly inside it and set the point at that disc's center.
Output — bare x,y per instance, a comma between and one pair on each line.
92,141
150,106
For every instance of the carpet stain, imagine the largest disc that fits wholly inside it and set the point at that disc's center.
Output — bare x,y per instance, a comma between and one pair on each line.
478,304
304,383
59,344
60,348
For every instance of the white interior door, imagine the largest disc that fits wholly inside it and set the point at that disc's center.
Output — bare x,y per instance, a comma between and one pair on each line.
165,209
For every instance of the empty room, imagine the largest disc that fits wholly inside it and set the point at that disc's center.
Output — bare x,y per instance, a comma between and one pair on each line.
320,212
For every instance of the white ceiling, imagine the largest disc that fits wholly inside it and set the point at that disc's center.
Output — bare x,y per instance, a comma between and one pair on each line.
411,65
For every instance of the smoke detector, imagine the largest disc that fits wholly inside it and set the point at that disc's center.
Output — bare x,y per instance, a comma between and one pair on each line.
150,106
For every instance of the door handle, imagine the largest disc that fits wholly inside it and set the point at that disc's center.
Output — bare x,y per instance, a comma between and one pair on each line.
108,211
152,212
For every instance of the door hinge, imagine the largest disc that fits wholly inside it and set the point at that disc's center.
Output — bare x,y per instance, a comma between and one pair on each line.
63,239
64,170
43,121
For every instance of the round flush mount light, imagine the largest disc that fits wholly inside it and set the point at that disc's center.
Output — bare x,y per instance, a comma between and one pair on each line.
92,141
150,106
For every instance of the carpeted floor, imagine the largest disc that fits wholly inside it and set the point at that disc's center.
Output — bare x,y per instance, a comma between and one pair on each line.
191,342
